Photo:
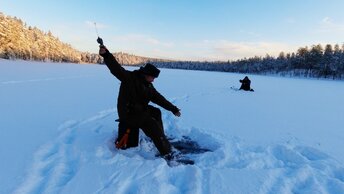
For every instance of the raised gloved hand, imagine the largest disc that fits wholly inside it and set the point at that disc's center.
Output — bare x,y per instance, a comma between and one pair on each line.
177,113
103,51
100,41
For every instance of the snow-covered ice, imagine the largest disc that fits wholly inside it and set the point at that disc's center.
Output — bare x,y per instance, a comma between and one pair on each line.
57,126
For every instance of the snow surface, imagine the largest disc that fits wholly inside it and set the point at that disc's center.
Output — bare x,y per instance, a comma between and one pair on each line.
57,125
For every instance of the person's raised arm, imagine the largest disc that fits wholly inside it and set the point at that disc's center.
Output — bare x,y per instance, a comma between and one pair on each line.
115,68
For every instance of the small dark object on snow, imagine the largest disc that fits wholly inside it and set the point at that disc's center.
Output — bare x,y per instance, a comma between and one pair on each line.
188,146
182,148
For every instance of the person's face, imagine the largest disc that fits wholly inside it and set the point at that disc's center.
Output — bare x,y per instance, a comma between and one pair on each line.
149,78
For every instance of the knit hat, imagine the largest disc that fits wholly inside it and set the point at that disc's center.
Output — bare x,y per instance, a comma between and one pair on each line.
150,69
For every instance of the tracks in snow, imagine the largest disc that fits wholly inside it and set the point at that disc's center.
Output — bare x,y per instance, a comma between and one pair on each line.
288,167
56,162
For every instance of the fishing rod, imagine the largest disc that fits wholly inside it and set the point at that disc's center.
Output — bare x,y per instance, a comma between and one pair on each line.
99,40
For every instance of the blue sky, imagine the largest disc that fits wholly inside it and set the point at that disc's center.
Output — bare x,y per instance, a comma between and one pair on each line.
187,29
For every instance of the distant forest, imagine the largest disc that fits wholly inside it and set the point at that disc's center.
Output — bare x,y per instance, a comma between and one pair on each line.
314,62
19,41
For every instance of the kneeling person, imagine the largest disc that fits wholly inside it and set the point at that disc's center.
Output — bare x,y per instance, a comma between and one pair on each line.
136,91
246,84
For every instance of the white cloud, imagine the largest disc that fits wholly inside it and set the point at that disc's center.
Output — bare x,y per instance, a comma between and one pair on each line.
250,33
209,50
326,20
230,50
328,25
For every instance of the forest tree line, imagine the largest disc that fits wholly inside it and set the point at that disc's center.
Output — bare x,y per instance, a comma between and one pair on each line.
315,62
19,41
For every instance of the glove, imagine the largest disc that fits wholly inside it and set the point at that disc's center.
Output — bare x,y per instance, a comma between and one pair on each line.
177,112
100,41
103,51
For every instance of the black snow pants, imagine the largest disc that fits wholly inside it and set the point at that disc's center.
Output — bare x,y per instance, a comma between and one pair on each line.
152,126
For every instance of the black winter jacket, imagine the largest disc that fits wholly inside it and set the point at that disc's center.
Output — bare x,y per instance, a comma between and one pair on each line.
135,93
245,84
